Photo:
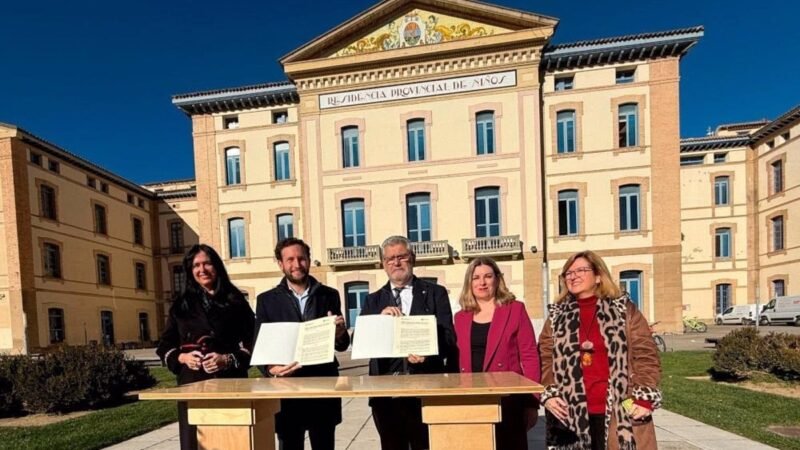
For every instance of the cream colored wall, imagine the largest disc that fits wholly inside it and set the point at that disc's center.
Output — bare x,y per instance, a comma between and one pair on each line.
782,264
78,292
699,216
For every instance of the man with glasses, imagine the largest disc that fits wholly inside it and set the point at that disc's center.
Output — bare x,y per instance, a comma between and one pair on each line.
399,420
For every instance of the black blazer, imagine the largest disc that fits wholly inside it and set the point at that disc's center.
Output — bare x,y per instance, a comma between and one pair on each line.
280,305
428,299
229,326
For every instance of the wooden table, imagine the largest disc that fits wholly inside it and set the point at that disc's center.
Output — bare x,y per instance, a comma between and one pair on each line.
460,409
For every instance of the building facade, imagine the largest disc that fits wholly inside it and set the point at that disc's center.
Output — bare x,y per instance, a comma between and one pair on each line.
455,123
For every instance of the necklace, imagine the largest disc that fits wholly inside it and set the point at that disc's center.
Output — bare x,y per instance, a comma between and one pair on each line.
587,347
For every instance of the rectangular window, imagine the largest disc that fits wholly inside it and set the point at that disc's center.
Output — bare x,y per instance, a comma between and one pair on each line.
629,207
91,182
356,294
786,136
568,213
281,150
721,191
777,177
236,238
47,196
625,76
107,327
55,320
565,126
285,226
484,132
140,202
350,147
53,166
144,327
487,212
104,187
778,288
103,270
720,158
418,217
138,231
627,126
777,233
175,237
416,139
564,83
141,276
692,160
178,279
36,158
130,199
354,223
52,260
100,223
631,282
722,243
233,174
280,117
723,297
230,122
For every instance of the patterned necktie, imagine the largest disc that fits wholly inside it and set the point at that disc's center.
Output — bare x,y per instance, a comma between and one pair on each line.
397,300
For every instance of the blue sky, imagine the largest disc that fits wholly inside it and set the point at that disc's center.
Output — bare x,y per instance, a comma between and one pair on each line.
96,77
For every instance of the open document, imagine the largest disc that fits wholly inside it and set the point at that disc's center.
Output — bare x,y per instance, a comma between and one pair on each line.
307,343
383,336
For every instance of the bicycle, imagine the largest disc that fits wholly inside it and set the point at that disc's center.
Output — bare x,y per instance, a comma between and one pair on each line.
661,345
692,325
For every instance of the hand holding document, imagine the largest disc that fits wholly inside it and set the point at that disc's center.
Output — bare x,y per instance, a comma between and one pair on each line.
307,343
384,336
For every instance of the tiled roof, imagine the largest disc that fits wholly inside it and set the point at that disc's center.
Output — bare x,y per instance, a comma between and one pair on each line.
244,97
698,144
178,193
787,118
742,125
620,49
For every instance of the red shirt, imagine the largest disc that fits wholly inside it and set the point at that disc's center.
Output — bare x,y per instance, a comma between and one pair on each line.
595,376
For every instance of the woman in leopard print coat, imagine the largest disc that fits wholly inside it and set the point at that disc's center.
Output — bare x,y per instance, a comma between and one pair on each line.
600,367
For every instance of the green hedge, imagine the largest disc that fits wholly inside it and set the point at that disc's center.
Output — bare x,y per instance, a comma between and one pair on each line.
69,379
743,353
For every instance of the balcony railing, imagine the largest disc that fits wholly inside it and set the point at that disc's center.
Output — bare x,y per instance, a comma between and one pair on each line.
428,250
491,246
351,256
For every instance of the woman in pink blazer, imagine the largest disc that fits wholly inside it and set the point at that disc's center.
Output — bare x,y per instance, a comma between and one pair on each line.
495,334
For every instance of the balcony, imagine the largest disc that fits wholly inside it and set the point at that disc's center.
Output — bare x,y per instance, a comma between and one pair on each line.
354,256
431,250
491,246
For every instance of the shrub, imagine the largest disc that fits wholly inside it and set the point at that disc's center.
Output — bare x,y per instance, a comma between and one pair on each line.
72,378
10,401
743,352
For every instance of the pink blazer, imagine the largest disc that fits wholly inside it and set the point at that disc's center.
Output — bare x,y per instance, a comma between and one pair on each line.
510,346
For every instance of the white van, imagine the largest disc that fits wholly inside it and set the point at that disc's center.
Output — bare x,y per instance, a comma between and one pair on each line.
781,310
738,314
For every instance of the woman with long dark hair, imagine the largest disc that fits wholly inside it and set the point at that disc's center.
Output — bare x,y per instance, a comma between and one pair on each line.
600,366
209,332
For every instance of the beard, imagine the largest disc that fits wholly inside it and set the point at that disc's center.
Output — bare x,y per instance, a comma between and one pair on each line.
301,280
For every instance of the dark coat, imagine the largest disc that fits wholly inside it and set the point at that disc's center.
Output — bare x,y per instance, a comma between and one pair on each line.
428,299
280,305
229,326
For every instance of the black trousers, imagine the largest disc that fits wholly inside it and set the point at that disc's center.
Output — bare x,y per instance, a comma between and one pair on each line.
399,423
559,435
322,438
511,433
187,433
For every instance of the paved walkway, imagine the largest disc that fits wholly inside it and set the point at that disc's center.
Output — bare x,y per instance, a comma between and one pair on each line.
357,432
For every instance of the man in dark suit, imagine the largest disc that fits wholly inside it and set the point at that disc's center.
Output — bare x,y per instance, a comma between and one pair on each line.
300,297
399,420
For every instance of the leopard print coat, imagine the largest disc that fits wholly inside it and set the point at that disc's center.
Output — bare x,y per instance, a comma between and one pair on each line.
633,364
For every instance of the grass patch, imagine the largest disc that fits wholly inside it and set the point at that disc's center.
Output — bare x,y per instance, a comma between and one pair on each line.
730,408
103,427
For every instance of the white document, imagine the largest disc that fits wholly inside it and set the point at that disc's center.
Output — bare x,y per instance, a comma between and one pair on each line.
307,343
384,336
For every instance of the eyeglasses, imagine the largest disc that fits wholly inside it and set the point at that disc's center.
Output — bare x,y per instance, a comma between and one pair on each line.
397,259
579,272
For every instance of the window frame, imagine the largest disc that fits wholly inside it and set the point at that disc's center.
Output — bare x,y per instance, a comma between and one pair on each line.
563,220
241,253
723,243
233,178
50,329
290,232
563,133
101,258
282,164
416,140
416,201
719,181
351,205
484,125
625,201
624,124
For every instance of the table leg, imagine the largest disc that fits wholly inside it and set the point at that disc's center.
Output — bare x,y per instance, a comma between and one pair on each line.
461,422
234,424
